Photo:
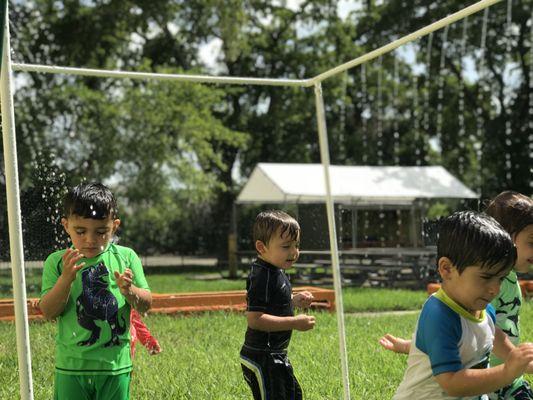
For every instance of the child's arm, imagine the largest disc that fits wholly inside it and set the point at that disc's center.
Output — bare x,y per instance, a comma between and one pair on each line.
140,299
472,382
502,345
395,344
272,323
53,302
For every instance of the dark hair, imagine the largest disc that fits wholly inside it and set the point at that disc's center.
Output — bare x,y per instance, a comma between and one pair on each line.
468,238
512,210
268,222
90,200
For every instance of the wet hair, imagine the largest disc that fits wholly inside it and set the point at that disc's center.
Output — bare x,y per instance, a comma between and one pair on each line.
512,210
267,224
469,238
90,200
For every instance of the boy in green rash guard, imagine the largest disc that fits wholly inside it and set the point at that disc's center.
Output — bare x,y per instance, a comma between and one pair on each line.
514,212
90,289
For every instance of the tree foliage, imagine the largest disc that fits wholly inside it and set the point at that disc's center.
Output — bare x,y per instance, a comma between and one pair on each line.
172,151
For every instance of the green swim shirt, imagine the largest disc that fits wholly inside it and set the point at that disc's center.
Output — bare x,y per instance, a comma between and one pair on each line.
93,330
507,306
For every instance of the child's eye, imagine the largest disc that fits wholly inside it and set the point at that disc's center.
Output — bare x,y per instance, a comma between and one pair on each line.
80,232
102,232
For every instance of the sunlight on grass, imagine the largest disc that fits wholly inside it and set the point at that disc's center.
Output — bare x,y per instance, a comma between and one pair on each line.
200,357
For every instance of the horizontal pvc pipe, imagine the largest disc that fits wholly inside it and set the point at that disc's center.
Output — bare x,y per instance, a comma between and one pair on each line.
157,76
263,81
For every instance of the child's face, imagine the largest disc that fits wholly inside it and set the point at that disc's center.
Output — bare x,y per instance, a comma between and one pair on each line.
281,251
524,249
474,288
90,236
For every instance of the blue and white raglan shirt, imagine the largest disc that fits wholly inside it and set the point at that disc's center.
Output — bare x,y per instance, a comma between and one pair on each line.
447,339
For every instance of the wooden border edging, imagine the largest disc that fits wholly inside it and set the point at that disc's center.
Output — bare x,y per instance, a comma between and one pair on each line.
186,303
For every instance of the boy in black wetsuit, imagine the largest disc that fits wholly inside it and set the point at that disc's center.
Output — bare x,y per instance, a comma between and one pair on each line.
270,313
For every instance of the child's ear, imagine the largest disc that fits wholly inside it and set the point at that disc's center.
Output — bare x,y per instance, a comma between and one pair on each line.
116,224
260,246
446,268
64,222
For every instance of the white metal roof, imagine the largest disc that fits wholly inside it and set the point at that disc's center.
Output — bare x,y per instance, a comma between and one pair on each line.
304,183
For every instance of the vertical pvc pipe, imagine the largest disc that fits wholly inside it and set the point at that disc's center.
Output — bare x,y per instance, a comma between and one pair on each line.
324,155
14,218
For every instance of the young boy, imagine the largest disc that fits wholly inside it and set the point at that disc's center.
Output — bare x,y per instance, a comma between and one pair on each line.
270,314
456,332
90,288
514,212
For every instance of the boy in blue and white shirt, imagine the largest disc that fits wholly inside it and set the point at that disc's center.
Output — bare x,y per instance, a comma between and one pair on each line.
456,329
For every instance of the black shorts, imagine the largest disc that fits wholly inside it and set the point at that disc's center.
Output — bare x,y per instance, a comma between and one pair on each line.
270,376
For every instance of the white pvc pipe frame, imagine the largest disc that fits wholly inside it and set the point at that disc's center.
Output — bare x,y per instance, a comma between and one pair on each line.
12,184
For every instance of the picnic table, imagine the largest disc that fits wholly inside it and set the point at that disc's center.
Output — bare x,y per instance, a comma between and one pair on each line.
383,267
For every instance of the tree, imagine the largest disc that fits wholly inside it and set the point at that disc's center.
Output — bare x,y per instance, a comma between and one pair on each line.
152,142
176,147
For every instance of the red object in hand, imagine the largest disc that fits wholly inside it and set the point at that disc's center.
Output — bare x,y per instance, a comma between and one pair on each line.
139,331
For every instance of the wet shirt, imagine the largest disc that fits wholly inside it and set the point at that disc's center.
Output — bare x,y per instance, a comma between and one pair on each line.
507,306
269,291
93,329
447,339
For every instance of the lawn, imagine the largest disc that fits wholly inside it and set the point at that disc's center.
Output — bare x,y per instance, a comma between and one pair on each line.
200,357
200,353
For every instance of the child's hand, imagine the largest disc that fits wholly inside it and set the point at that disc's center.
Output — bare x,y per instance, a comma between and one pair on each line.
393,343
124,281
518,360
70,269
302,299
304,322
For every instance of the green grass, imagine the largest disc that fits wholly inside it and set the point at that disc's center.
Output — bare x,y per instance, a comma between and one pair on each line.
33,285
177,283
161,283
200,357
355,299
367,299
